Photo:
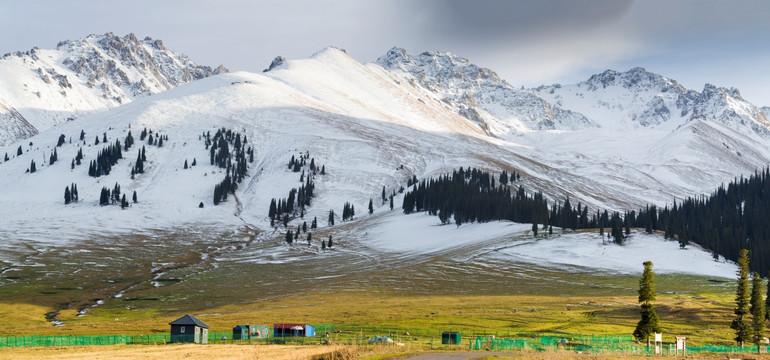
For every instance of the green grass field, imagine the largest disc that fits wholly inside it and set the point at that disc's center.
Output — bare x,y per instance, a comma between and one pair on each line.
139,284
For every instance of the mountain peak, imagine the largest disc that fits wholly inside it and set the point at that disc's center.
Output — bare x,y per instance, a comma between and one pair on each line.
393,58
95,73
330,51
637,77
711,90
278,61
479,94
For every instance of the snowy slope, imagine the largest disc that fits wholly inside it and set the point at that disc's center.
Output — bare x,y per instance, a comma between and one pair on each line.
366,129
41,88
370,127
651,129
479,94
638,98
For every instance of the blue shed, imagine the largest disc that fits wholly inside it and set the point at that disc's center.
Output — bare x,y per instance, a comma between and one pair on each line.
243,332
290,330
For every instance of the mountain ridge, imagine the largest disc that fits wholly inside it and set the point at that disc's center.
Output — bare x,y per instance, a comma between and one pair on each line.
375,127
44,87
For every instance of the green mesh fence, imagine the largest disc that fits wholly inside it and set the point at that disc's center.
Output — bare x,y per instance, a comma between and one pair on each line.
352,334
596,345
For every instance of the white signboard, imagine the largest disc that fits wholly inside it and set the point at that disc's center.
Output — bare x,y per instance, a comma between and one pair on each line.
680,344
658,337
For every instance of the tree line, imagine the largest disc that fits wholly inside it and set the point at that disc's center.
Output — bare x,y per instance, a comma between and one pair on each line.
732,218
233,161
472,195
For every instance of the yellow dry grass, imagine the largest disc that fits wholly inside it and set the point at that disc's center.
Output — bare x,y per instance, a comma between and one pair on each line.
170,352
705,318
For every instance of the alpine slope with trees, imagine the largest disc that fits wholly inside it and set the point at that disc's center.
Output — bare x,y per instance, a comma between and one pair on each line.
339,144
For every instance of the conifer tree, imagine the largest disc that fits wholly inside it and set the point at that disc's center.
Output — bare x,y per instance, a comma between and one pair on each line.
32,167
323,245
82,135
6,157
314,224
134,197
195,162
767,300
272,211
741,324
67,195
649,322
757,310
383,195
534,228
371,206
330,243
391,202
105,138
331,217
19,151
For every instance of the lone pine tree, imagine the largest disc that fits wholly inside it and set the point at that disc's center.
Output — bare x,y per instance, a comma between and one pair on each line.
741,324
649,322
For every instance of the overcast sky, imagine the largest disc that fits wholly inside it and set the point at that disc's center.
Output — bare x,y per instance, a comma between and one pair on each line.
528,43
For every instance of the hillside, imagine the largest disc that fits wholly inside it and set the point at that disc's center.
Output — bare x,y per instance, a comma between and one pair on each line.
371,128
42,88
368,127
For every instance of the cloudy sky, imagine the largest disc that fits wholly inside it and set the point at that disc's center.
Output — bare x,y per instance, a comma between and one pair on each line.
528,43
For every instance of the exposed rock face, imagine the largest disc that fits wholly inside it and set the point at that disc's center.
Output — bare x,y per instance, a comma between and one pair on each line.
648,100
479,94
278,61
141,67
84,76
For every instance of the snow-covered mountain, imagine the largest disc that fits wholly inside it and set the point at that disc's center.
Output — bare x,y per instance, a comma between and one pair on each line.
41,88
479,94
639,98
377,125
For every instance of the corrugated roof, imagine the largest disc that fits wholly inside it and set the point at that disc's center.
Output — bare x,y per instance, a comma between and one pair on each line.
287,326
189,320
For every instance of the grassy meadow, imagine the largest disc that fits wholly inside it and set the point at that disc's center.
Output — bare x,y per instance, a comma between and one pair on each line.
138,285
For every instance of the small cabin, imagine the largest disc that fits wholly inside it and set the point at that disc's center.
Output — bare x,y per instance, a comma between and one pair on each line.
450,338
189,329
293,330
244,332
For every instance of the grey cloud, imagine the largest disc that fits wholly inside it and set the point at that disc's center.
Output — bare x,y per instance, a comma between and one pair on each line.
493,20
